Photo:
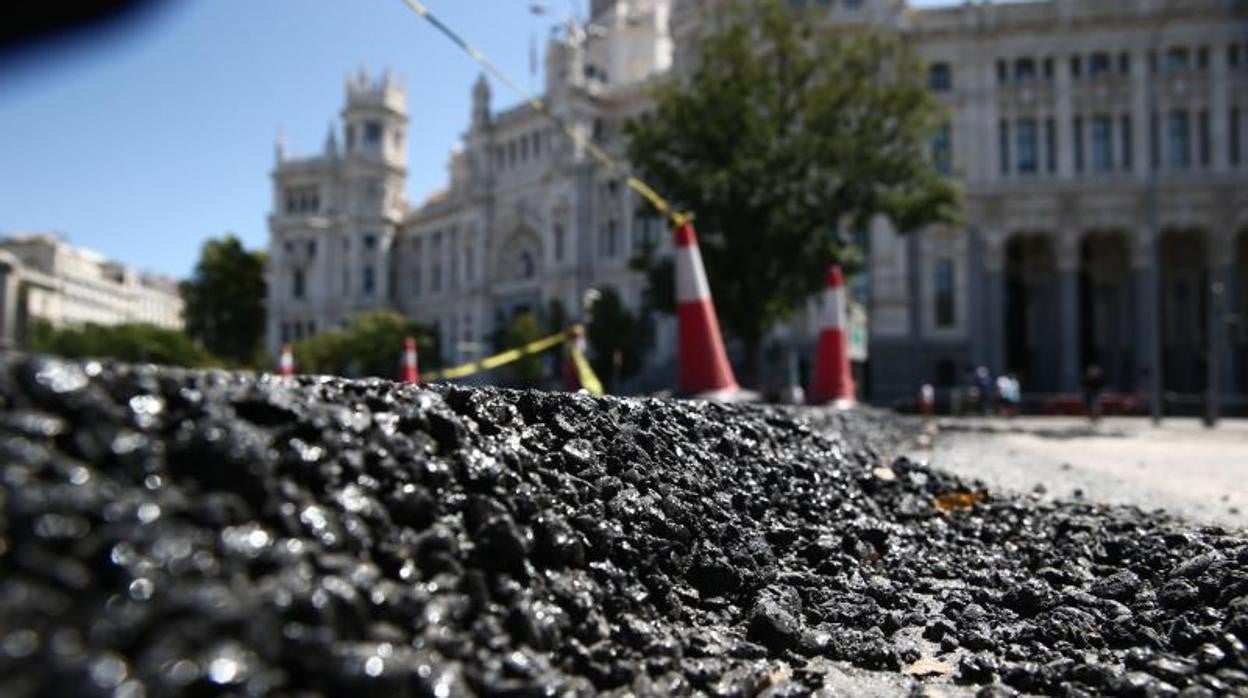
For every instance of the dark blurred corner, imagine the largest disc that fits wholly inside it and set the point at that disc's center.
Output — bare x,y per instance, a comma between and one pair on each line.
53,24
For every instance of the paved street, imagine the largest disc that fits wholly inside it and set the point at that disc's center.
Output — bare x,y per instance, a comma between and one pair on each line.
1198,473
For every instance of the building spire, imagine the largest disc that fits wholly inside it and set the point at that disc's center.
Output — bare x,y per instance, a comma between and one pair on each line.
279,145
331,141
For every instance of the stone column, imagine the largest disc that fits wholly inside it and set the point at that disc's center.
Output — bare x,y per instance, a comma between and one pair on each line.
993,308
1221,288
1069,360
1140,142
1219,114
1147,308
1065,139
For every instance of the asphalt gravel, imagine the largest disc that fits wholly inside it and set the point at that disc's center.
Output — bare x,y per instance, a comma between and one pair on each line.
166,532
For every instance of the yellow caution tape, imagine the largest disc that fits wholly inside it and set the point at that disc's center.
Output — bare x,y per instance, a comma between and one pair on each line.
497,360
585,372
635,183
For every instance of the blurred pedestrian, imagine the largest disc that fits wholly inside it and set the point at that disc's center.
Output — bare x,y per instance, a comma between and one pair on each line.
984,384
1010,392
927,400
1093,386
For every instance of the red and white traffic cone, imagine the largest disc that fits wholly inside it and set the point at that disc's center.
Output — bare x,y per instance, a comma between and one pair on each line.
702,362
286,364
411,369
833,381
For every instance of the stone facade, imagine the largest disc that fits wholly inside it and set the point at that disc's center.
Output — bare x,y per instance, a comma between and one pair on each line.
1103,149
1103,145
44,277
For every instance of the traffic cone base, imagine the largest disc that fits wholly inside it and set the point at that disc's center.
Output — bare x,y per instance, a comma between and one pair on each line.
704,366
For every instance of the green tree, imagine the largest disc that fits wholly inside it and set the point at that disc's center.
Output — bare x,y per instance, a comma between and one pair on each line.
612,328
134,343
785,128
372,345
225,300
529,371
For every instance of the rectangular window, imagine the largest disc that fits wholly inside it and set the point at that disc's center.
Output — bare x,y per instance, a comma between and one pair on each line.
297,284
1178,58
435,278
1003,72
1154,140
1024,69
612,234
1127,144
1077,136
939,77
1234,128
558,243
311,248
1050,144
1202,137
1048,68
1178,141
1099,63
945,305
372,132
1004,145
1124,63
454,267
1202,58
1232,55
285,332
416,280
1027,151
1076,66
1102,144
370,282
941,150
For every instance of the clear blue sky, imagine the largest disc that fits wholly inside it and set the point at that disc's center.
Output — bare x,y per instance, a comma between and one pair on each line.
142,142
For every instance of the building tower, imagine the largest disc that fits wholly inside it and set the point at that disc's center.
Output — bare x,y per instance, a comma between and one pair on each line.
374,168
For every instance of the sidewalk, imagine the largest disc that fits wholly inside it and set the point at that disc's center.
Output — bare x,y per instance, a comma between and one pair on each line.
1180,466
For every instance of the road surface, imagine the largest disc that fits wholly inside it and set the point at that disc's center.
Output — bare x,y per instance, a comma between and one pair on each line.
1197,473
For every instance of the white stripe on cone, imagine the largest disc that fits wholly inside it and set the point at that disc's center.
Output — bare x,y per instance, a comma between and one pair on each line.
691,282
834,315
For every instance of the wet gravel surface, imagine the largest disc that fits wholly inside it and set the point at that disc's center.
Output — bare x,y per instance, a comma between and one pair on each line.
175,533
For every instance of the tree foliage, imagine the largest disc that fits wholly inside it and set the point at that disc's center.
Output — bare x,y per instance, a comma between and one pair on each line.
786,128
372,346
225,300
529,371
134,343
612,328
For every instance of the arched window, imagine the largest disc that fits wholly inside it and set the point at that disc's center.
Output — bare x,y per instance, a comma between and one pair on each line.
527,268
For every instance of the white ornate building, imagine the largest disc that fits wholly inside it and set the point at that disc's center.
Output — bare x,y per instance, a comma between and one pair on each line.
43,277
1069,120
526,218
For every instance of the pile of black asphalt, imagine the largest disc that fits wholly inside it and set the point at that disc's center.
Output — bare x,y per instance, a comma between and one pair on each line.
166,532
